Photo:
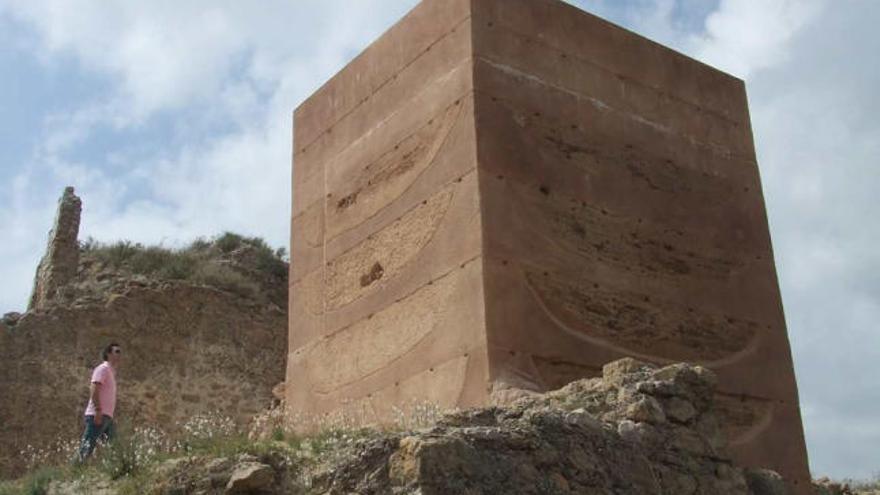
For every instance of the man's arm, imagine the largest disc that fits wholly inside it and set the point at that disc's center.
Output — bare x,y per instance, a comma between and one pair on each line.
94,388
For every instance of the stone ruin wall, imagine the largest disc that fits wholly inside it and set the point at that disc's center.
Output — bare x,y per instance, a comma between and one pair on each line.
187,350
386,288
59,264
504,195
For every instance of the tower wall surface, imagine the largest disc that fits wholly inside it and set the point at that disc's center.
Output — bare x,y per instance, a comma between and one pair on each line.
387,286
507,194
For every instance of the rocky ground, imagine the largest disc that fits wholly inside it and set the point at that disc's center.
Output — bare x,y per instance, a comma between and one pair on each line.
638,429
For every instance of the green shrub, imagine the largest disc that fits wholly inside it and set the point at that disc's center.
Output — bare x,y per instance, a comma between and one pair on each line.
179,266
199,245
278,434
119,459
37,483
150,260
201,261
131,452
258,243
116,254
269,263
228,242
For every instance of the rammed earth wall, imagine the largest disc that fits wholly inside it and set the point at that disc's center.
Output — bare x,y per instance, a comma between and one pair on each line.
500,195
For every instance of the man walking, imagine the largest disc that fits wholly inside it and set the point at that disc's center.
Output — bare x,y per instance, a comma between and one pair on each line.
102,402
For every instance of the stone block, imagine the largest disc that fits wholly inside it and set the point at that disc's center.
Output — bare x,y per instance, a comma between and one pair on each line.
517,191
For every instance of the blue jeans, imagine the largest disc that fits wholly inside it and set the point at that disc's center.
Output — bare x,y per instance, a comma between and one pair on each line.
93,433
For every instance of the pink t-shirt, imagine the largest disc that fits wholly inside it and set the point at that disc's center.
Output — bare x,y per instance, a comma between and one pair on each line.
104,375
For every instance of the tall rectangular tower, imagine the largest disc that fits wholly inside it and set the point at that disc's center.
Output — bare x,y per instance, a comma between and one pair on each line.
504,194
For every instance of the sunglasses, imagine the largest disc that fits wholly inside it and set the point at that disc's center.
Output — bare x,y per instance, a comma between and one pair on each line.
117,351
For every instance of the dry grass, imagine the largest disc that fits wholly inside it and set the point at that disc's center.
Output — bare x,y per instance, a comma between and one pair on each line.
129,462
206,262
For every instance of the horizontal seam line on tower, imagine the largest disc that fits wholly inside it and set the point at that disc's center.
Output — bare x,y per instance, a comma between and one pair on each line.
697,106
400,299
383,84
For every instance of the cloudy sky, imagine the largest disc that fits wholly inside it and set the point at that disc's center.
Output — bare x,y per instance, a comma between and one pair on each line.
173,120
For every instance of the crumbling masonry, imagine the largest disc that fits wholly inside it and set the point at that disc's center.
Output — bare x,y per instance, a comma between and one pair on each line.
58,266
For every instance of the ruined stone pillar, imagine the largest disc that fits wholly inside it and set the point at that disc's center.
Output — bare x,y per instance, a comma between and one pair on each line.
507,194
60,262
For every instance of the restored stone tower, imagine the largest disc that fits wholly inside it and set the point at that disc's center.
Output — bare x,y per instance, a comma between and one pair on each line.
507,194
59,264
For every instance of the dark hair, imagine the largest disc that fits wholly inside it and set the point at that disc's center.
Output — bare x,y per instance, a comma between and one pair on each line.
106,352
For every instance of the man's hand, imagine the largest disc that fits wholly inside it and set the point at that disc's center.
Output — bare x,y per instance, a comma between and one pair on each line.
99,418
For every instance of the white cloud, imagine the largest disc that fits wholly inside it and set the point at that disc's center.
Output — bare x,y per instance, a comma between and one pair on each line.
203,66
165,54
743,36
812,91
168,55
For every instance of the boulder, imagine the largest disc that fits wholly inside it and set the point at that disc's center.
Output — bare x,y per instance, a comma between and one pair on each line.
250,477
639,429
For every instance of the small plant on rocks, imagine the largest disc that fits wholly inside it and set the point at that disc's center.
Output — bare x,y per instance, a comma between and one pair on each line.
418,414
